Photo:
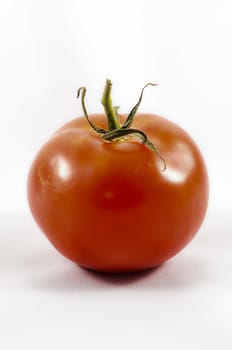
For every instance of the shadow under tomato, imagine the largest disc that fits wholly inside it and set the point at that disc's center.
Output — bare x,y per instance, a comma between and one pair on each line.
117,278
69,277
183,272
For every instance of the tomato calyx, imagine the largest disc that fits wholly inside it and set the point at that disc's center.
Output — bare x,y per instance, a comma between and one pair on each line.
116,131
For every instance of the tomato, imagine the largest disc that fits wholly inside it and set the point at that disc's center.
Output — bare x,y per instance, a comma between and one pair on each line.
117,205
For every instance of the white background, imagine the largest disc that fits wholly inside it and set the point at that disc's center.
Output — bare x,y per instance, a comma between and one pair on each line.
47,50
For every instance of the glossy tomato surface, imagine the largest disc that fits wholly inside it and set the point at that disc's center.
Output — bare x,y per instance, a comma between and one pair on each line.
110,206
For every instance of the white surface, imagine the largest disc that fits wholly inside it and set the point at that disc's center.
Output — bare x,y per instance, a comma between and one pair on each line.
48,50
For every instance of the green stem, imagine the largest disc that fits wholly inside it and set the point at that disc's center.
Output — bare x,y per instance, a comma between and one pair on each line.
116,131
82,91
111,112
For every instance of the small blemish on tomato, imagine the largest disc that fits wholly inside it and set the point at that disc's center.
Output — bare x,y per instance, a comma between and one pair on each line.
109,194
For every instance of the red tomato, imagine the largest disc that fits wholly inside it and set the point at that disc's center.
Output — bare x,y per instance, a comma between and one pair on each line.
111,206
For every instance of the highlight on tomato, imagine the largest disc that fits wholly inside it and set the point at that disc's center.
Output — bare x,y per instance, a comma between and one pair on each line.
118,193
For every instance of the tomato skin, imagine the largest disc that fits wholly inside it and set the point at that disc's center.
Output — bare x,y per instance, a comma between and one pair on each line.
109,206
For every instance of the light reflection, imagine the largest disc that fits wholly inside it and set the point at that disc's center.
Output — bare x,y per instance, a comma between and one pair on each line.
62,168
180,166
174,175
